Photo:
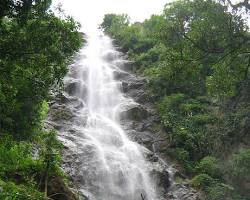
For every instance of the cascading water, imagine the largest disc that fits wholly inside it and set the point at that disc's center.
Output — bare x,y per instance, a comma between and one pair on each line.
113,166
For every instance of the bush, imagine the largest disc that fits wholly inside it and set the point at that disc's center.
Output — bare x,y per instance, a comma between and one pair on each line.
183,157
220,191
16,158
11,191
19,171
186,120
239,172
50,153
25,166
169,109
202,181
209,165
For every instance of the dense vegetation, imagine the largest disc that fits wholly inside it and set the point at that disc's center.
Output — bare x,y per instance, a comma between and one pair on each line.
35,48
196,56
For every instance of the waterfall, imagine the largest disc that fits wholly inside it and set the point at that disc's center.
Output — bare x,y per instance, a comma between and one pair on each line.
112,166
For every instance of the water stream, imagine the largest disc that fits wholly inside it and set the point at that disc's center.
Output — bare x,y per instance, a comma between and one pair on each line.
113,166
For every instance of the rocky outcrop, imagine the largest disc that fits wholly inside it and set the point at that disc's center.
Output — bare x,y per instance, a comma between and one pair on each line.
58,190
143,126
135,112
63,116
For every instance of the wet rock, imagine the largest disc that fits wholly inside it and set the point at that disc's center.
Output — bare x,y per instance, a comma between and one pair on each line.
128,65
143,126
135,112
73,86
62,98
152,157
71,101
162,179
141,96
148,125
58,190
109,56
76,103
177,174
182,192
49,125
81,120
142,138
137,91
124,86
60,113
120,74
127,85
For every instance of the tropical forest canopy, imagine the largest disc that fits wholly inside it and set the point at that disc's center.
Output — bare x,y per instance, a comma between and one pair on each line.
196,56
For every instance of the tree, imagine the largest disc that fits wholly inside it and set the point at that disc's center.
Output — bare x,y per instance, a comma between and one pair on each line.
35,48
112,22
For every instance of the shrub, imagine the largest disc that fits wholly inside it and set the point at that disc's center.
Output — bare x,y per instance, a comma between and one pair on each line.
11,191
239,171
202,181
186,120
220,191
16,158
209,165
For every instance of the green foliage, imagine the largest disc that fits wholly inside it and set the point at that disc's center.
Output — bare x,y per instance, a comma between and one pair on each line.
239,171
23,165
168,104
201,47
113,22
234,126
44,109
18,170
33,63
206,34
183,157
241,163
220,191
209,165
50,152
202,181
35,48
11,191
16,158
214,189
184,119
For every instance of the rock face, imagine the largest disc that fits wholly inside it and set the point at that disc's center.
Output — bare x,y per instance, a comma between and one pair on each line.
64,116
138,120
59,191
143,126
135,112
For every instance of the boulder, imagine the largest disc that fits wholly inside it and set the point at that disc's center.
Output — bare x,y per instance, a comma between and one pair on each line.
111,55
60,113
162,179
58,190
133,84
128,66
183,192
74,86
120,74
135,112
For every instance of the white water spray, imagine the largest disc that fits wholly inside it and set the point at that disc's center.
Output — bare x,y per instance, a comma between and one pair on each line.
113,166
